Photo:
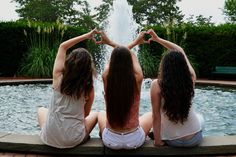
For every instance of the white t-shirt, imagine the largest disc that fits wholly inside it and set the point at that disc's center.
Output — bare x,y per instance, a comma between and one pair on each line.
64,127
171,130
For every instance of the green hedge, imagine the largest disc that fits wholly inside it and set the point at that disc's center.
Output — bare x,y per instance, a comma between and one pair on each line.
15,45
207,46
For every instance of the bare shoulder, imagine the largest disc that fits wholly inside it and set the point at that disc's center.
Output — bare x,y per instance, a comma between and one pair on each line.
56,81
155,87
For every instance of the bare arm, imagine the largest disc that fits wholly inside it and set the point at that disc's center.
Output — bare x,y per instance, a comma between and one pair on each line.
139,40
89,101
137,67
61,54
169,45
106,40
156,105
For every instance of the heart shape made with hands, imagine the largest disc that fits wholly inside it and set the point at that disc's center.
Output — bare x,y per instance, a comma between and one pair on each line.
97,37
147,37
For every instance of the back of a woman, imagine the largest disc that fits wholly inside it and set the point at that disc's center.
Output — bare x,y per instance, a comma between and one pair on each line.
120,125
174,120
68,120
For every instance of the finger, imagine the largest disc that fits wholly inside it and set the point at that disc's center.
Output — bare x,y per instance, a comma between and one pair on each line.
99,42
149,40
93,39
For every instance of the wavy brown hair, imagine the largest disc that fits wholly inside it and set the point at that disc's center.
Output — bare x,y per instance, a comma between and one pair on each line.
121,87
176,85
78,74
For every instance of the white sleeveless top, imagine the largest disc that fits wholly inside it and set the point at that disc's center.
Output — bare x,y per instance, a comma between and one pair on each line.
171,130
64,126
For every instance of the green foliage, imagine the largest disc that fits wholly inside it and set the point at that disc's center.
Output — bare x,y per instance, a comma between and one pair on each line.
103,10
12,45
206,47
230,10
34,54
149,63
43,41
73,12
150,12
200,21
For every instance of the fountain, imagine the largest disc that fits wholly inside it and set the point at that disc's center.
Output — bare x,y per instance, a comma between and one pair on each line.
121,27
19,104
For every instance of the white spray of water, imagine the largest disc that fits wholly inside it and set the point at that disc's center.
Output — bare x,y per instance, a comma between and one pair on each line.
121,27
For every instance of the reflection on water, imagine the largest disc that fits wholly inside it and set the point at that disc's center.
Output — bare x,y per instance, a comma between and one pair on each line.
19,107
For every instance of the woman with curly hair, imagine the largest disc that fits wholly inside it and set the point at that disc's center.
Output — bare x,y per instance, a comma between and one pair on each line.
175,122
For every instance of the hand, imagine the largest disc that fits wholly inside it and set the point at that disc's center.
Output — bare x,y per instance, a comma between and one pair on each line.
140,39
90,35
154,36
104,39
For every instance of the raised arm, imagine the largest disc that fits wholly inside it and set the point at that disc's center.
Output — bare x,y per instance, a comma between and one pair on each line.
139,40
137,68
106,40
171,46
61,54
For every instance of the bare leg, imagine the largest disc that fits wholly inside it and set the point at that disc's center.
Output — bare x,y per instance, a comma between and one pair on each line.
102,118
145,122
42,115
90,122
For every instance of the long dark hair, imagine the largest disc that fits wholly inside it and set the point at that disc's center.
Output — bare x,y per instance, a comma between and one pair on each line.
176,85
121,87
78,74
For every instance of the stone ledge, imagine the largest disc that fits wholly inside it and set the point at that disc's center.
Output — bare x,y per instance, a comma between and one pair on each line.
24,81
32,144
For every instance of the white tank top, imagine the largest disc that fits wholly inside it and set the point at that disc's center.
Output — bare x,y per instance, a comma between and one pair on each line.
64,126
171,130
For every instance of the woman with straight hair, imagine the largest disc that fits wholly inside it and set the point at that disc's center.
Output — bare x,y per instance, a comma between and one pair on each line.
175,122
68,121
120,126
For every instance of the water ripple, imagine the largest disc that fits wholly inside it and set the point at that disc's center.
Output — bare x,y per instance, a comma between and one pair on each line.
18,109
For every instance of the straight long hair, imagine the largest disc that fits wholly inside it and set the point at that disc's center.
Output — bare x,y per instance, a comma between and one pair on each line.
121,87
176,85
78,74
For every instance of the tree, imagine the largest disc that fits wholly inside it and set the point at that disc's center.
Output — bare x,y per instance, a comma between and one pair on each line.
200,20
230,10
103,11
67,11
153,12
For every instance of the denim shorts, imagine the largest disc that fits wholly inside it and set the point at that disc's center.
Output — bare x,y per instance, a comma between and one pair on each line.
194,141
130,140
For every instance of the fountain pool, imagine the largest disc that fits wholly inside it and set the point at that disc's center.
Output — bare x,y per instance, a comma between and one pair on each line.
18,109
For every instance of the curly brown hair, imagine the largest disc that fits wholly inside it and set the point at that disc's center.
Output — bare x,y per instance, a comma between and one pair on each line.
78,74
176,85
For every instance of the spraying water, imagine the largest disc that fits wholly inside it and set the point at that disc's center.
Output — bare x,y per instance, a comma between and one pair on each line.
121,27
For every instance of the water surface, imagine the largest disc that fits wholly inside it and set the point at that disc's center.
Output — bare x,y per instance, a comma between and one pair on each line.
18,109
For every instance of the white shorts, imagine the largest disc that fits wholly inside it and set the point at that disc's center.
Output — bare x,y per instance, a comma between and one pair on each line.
129,140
